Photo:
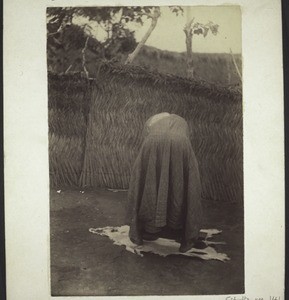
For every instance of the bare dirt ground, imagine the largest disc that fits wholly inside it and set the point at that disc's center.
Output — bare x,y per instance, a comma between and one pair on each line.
86,264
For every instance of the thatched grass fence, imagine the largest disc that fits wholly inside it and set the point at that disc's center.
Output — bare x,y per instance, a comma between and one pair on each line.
96,125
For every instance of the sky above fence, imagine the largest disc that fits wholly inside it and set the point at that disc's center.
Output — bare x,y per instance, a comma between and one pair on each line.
169,34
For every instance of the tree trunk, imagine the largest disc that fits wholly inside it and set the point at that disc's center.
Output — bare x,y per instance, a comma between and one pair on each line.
154,18
189,38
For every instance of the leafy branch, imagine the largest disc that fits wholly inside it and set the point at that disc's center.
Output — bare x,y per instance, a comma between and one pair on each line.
197,28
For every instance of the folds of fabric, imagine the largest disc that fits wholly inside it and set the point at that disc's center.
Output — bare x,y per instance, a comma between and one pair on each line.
165,187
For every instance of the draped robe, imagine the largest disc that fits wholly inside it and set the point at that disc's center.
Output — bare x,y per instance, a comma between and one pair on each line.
165,187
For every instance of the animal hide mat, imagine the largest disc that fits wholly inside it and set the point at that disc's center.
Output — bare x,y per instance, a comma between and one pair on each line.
162,246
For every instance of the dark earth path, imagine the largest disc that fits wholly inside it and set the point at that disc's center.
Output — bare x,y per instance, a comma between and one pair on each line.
85,264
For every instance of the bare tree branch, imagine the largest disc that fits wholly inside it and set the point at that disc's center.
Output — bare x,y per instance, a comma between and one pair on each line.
154,16
83,57
236,66
63,24
67,70
61,27
188,26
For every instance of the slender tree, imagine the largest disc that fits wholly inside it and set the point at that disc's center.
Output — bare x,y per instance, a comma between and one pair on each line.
192,28
154,19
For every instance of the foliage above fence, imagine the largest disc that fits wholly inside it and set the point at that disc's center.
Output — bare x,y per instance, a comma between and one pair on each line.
111,110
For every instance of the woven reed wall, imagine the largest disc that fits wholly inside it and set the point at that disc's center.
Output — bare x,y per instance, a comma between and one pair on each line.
122,99
68,106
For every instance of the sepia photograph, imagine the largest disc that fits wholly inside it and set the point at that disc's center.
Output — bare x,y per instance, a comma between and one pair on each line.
145,118
143,150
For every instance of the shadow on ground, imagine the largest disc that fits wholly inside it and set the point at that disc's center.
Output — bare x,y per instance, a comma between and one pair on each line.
85,264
